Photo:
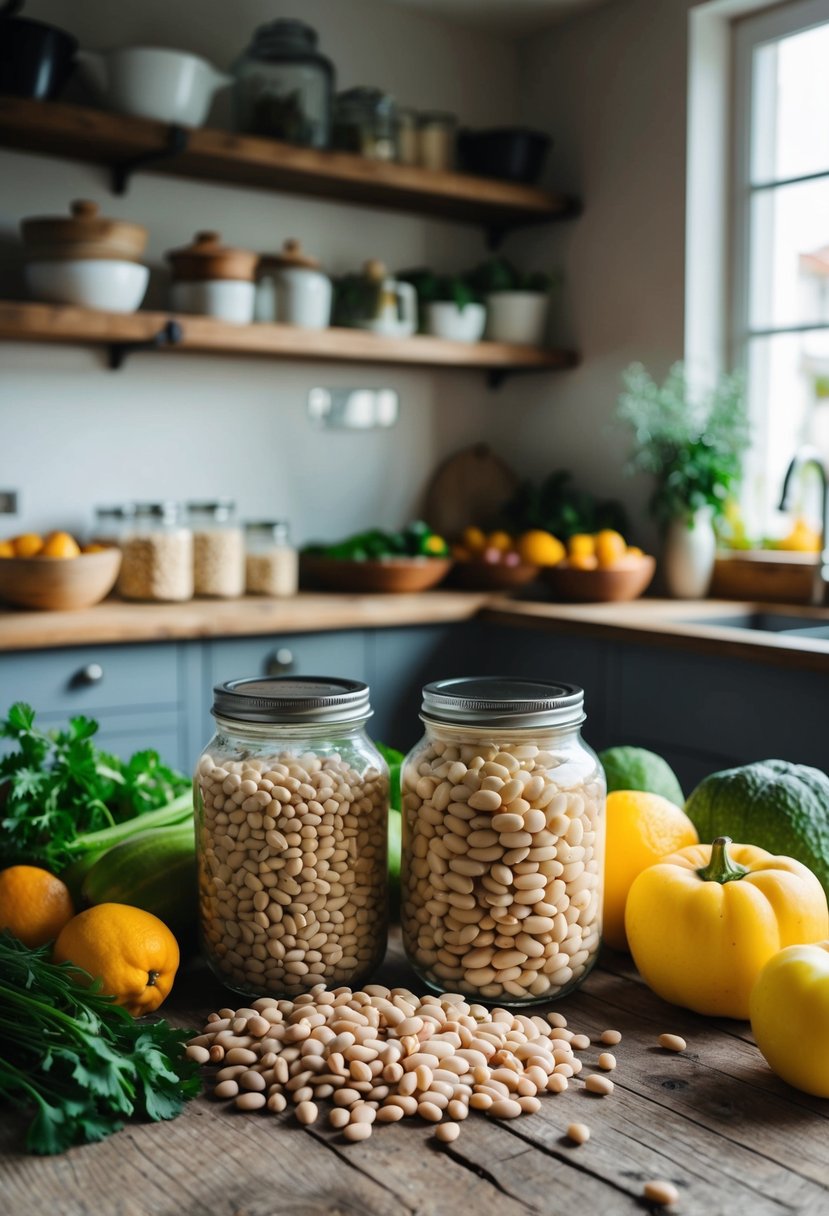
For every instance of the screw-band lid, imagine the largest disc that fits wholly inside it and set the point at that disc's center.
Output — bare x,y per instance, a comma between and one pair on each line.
503,701
291,701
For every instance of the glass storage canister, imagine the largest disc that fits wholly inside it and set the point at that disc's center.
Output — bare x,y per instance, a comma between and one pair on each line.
436,141
284,86
157,548
271,561
218,549
503,841
110,524
291,802
365,122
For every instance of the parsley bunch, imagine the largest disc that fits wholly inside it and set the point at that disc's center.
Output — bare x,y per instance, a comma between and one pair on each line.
80,1062
57,786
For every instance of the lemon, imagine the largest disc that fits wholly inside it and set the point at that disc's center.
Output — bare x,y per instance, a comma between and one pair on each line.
473,540
641,829
609,547
581,545
6,548
29,544
538,548
60,544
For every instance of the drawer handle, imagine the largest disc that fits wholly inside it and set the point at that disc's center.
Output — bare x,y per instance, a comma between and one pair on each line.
279,662
93,673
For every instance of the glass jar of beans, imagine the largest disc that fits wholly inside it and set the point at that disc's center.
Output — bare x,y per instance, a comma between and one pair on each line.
218,549
292,804
503,841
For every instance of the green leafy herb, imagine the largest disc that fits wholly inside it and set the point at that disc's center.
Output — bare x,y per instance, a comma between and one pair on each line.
56,787
557,506
76,1062
691,443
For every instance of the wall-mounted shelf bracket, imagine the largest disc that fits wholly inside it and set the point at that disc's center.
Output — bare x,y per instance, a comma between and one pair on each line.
177,141
169,335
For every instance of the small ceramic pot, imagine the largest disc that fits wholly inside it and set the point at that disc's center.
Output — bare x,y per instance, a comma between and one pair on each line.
446,320
153,82
226,299
292,289
519,317
85,233
214,280
104,283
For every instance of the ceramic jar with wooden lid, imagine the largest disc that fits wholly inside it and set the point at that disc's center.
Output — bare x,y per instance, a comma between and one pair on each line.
213,279
292,289
85,258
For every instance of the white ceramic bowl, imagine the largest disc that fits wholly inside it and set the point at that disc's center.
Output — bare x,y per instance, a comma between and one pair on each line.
226,299
517,316
105,283
154,82
446,320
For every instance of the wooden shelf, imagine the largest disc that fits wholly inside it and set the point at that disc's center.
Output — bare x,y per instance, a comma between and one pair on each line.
123,333
125,144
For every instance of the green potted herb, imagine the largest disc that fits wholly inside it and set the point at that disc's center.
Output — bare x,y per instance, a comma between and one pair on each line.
518,303
692,443
449,306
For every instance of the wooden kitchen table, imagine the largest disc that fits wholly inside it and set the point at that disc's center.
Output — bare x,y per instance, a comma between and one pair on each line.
712,1120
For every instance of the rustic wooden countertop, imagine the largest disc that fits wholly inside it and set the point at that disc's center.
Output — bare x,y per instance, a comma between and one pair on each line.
713,1120
678,624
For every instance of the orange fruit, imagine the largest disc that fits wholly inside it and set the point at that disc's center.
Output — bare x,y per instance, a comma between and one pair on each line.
473,540
6,548
132,952
34,904
94,547
581,545
29,544
641,829
502,541
60,544
609,546
582,561
539,548
635,551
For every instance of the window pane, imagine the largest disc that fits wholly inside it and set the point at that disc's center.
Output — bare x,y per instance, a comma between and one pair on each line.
790,128
789,276
788,392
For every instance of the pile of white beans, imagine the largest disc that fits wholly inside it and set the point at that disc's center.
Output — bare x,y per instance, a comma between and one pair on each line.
503,855
380,1055
292,869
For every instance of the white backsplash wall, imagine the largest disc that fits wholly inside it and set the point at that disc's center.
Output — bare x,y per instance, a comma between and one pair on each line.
75,434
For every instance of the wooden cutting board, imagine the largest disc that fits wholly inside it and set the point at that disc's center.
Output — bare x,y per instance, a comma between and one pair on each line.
469,487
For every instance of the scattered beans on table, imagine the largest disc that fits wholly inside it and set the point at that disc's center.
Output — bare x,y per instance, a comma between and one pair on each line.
672,1042
579,1133
611,1038
663,1193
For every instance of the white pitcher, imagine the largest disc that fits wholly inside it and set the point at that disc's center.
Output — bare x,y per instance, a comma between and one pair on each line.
152,82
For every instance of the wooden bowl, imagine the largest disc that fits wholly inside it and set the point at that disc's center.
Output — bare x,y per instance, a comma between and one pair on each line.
397,575
491,576
55,583
613,585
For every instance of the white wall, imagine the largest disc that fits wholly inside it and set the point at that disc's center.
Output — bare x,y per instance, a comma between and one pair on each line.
73,434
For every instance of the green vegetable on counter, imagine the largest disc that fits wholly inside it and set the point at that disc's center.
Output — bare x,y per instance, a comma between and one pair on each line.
81,1064
416,540
64,800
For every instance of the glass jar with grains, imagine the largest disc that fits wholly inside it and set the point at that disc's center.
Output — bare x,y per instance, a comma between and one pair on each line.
503,841
271,561
218,549
157,554
292,804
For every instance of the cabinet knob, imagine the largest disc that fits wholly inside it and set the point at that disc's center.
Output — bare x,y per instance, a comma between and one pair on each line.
93,673
279,662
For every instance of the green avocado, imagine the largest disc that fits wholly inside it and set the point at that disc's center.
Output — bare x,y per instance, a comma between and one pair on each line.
779,806
635,768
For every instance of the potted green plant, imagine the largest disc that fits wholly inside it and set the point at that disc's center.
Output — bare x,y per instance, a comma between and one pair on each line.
448,305
692,443
518,303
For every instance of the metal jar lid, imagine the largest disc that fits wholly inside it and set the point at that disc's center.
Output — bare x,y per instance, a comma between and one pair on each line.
502,701
291,701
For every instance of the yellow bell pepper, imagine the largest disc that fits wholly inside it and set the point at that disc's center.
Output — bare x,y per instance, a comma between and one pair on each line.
701,923
790,1016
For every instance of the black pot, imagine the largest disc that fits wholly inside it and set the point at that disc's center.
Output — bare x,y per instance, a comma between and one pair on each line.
511,154
36,60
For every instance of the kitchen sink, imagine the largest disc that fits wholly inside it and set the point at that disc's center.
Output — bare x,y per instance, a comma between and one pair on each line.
770,622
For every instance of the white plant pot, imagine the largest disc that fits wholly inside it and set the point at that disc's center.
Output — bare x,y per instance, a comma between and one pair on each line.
106,283
226,299
688,555
519,317
446,320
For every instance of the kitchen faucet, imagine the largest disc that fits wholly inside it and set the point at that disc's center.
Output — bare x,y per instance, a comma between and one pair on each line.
803,457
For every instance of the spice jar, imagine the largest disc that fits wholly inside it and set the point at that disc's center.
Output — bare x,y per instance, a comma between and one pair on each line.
503,841
271,561
292,804
365,122
157,548
436,141
284,86
218,549
407,140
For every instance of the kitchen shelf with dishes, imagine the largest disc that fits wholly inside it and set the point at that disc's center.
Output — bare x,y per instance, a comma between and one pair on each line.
125,144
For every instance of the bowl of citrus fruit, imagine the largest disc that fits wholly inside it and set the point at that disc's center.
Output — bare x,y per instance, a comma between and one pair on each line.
498,561
598,568
53,572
